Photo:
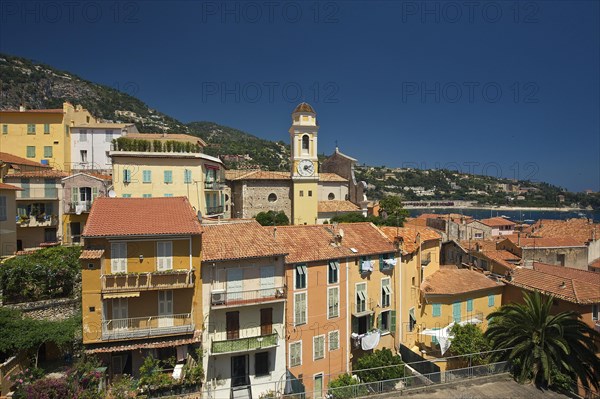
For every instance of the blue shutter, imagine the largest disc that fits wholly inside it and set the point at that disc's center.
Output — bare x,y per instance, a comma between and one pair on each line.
491,299
436,310
456,312
469,305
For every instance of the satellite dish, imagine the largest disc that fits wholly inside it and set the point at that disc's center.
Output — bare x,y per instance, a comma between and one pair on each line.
112,194
341,233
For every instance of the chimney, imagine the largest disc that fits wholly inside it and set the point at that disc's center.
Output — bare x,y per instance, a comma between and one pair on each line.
274,232
21,107
519,239
563,285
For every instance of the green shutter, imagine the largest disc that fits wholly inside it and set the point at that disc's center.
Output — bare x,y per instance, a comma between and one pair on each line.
74,194
436,310
393,321
491,300
380,263
469,305
94,193
354,325
379,321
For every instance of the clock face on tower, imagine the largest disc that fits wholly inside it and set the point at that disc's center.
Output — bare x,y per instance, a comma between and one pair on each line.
306,168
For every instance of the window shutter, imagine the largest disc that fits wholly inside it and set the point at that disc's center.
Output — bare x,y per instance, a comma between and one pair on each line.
94,193
74,194
393,321
354,325
436,310
379,321
380,263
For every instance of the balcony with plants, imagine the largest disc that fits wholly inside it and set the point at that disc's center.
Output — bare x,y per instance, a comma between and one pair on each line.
156,280
126,144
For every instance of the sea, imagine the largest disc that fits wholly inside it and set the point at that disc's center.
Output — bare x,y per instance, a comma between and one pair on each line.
527,216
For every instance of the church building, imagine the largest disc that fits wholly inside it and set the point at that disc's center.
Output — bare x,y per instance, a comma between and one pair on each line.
309,193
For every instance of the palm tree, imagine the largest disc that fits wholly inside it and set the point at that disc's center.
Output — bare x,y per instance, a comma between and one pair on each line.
541,344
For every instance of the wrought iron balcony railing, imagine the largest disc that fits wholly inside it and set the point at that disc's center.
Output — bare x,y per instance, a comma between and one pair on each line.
149,326
183,278
244,344
224,298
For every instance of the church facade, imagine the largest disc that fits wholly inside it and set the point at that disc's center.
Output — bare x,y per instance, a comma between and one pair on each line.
309,193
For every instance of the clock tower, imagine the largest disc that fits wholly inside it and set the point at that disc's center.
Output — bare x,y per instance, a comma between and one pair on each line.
305,165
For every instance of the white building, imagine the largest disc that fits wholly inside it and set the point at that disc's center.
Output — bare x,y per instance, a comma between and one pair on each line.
91,144
243,296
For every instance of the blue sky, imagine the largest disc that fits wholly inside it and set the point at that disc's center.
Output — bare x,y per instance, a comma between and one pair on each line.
509,89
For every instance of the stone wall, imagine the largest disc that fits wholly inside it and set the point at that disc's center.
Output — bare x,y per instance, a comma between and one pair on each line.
51,309
252,197
344,166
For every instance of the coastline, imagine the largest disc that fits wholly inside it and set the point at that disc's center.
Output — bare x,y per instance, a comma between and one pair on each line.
502,208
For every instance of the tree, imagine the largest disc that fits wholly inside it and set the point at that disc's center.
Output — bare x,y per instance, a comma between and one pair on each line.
391,211
272,218
380,365
469,340
543,343
346,386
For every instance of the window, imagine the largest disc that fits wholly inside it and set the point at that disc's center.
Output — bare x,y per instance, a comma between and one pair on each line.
46,128
300,308
386,262
146,195
118,257
560,259
331,196
83,154
386,293
436,310
318,347
126,195
272,197
164,252
83,135
300,277
187,176
469,305
491,299
434,340
478,235
361,297
365,264
47,151
385,321
310,193
147,176
126,176
232,325
595,307
333,302
168,175
30,151
261,363
295,354
108,136
2,208
30,129
302,193
412,320
305,142
333,274
266,321
4,129
334,340
168,195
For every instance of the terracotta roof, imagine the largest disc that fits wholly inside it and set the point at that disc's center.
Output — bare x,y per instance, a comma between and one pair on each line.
238,240
90,254
409,236
145,344
45,173
579,229
559,281
484,245
331,177
34,111
100,176
366,238
415,222
499,257
543,242
595,263
497,222
456,281
309,243
169,136
10,158
304,107
103,125
256,175
4,186
111,217
455,217
337,206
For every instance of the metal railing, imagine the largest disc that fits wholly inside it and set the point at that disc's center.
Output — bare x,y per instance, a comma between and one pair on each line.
78,207
37,221
214,210
214,185
38,193
149,326
221,299
244,344
183,278
469,316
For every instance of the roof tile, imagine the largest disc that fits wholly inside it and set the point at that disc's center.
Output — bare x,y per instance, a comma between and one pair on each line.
456,281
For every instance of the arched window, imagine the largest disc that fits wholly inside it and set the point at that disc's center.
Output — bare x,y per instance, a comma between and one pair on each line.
272,197
305,140
331,196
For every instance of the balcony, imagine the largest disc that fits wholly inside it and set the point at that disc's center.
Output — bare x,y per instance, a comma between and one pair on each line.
36,193
244,344
214,210
37,221
224,299
78,207
147,281
213,185
144,327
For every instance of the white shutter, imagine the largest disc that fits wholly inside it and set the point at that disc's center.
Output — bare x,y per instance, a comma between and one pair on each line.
164,255
118,252
267,281
234,283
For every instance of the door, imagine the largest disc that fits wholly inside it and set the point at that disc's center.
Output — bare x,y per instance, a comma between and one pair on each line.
119,314
165,308
234,284
232,324
267,281
456,313
49,235
266,321
239,371
75,232
318,386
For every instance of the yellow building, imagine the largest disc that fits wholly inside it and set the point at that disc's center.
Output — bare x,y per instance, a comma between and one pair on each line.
455,296
156,167
141,290
305,165
8,211
42,135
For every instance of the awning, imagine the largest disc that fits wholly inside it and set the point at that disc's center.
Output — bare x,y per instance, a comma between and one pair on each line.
121,295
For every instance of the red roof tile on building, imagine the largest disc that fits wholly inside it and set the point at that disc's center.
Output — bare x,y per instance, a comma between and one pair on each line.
497,222
331,177
34,111
337,206
559,281
5,157
580,229
4,186
91,254
238,240
116,217
256,175
409,236
366,238
456,281
543,242
43,173
167,136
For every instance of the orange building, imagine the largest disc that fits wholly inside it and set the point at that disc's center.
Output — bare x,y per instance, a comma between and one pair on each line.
140,281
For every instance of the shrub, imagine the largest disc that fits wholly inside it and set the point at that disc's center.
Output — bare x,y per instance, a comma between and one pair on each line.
346,386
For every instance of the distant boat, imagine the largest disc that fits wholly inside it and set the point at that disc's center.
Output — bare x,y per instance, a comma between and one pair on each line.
505,217
581,214
529,221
